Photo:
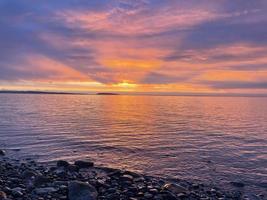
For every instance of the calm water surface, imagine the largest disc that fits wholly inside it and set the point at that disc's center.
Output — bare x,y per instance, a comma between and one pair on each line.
211,139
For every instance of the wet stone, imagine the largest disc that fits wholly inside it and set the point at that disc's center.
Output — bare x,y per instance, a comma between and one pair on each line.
3,195
28,174
174,188
126,177
2,152
148,195
41,180
81,191
17,192
62,163
46,190
73,168
83,164
238,184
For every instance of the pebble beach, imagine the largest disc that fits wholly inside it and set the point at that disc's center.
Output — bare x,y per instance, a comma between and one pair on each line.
82,180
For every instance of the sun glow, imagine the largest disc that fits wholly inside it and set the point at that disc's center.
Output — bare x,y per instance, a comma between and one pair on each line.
125,86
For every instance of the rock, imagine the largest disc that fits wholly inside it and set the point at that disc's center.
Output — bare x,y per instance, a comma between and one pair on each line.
195,186
113,172
73,168
47,190
81,191
83,164
2,152
237,184
17,192
60,171
153,191
139,179
181,195
15,149
27,174
41,180
263,184
59,183
62,163
174,188
148,195
252,197
3,195
168,196
126,177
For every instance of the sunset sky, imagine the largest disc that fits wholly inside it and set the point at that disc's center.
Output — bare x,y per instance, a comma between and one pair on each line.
134,45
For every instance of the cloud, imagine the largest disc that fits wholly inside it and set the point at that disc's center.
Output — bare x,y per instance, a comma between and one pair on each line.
39,67
138,18
236,84
159,78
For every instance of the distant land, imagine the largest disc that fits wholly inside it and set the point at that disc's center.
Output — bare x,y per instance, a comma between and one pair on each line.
36,92
107,93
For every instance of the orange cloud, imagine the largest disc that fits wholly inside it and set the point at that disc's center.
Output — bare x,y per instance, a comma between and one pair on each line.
131,64
55,70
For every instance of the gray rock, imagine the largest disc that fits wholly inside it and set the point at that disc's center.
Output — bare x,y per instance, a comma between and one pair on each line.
237,184
41,180
127,177
46,190
148,195
60,171
2,152
174,188
27,174
17,192
81,191
252,197
168,196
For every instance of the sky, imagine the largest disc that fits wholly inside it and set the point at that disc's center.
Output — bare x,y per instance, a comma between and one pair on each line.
195,46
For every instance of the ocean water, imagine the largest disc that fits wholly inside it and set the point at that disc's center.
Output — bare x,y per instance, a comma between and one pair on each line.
209,139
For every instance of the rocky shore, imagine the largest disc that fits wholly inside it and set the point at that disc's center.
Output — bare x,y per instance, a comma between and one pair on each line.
81,180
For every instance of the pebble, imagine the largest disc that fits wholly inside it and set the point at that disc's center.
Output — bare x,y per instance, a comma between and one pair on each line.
81,191
3,195
46,190
62,163
174,188
127,177
2,152
73,168
41,180
83,164
27,174
148,195
238,184
17,192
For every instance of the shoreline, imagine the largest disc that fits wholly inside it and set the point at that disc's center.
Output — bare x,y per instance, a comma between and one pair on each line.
82,180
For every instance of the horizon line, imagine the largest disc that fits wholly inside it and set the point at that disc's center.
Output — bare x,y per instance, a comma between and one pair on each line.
3,91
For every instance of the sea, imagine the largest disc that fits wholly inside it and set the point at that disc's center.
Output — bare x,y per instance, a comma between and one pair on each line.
212,140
